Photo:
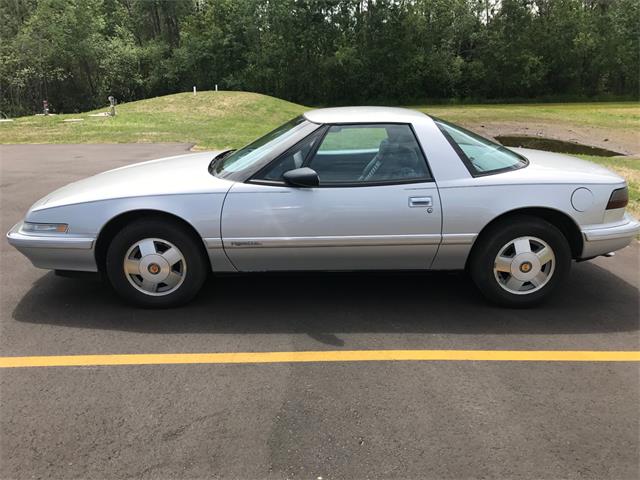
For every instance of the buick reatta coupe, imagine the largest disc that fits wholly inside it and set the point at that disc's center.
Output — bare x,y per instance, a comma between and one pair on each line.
337,189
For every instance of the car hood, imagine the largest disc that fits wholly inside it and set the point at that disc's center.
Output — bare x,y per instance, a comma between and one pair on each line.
181,174
551,167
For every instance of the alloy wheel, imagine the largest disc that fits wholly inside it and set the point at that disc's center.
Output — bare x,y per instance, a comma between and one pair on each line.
155,266
524,265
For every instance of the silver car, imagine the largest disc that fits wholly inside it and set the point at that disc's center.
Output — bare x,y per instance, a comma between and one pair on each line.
338,189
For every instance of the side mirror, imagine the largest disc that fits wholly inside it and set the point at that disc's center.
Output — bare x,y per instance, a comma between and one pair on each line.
301,177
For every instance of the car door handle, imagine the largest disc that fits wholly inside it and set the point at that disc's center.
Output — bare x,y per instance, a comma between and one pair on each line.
420,202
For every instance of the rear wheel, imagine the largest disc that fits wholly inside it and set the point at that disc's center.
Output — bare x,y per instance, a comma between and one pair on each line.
520,262
155,263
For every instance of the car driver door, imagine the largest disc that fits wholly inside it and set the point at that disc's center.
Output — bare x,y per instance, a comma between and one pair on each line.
375,207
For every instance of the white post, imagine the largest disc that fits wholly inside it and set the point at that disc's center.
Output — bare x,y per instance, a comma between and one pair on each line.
194,90
216,87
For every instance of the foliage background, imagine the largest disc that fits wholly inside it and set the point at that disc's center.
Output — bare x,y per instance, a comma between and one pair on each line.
77,52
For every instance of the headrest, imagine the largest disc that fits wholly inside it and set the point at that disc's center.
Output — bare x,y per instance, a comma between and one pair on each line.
399,134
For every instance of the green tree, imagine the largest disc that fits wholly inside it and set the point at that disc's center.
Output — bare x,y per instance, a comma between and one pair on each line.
77,52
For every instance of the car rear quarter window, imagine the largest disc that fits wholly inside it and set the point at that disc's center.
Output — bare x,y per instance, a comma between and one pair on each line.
481,156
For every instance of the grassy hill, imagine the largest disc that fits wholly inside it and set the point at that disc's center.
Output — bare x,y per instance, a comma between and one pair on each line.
209,119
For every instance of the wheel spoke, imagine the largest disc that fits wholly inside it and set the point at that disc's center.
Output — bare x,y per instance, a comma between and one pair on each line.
514,284
503,264
149,286
132,266
172,256
147,247
538,279
172,279
545,255
522,245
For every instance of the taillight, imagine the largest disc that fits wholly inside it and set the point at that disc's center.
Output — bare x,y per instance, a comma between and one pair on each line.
618,199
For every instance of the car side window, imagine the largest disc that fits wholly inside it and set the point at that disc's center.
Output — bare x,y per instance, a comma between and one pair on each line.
366,154
290,160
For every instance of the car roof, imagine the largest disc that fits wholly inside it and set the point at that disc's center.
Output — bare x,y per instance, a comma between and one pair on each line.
364,115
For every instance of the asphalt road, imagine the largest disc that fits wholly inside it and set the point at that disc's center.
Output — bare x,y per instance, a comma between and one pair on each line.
439,419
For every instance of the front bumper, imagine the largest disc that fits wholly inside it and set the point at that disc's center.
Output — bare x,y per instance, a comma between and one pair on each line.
602,239
55,251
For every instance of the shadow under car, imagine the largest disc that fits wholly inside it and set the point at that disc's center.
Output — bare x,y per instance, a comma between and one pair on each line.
593,301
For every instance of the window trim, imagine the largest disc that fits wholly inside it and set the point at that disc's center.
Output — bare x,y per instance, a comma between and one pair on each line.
313,151
473,171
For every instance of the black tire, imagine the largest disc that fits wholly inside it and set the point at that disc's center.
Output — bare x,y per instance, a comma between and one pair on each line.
193,263
493,240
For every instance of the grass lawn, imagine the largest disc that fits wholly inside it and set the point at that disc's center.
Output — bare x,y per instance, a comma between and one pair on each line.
213,120
619,116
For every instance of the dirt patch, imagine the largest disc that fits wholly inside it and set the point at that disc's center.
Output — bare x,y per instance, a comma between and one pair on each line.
622,141
552,145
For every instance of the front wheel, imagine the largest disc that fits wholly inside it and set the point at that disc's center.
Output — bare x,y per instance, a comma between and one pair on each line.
519,263
155,264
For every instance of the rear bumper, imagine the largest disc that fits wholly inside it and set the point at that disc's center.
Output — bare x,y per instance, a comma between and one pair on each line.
599,240
54,252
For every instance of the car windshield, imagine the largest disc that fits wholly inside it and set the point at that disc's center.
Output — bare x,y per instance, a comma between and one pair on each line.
481,156
242,159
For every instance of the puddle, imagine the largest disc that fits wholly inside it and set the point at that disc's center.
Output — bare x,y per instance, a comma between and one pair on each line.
551,145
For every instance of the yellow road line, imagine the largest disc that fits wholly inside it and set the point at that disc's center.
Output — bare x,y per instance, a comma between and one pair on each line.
322,356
